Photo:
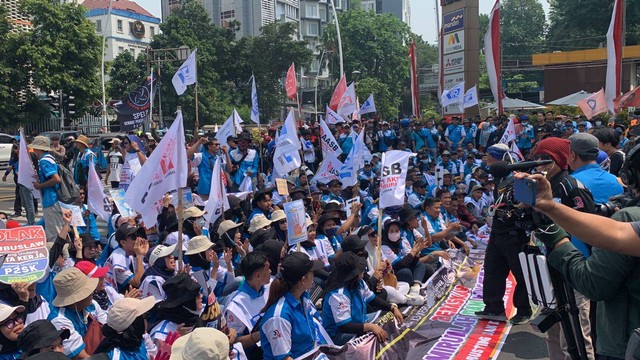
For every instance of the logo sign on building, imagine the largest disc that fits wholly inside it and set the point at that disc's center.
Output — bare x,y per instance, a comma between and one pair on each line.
454,42
453,21
137,29
453,79
453,63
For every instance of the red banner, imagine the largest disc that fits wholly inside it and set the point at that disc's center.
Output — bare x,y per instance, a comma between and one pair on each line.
291,84
337,93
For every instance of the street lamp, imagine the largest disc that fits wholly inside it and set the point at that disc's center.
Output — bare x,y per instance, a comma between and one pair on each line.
335,17
104,39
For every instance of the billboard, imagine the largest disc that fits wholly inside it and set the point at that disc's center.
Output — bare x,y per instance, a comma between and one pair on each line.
453,21
453,42
453,63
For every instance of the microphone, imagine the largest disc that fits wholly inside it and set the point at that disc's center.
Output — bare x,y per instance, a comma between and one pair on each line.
501,169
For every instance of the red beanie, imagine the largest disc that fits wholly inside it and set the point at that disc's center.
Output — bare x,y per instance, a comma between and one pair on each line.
557,148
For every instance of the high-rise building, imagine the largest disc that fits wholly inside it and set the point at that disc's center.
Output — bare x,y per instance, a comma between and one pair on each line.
131,27
20,21
211,7
398,8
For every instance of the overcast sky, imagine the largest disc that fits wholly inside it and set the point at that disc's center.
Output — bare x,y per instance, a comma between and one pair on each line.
423,17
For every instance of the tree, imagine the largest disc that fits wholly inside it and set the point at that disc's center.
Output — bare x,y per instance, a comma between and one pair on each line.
386,103
8,100
374,45
125,74
523,26
61,52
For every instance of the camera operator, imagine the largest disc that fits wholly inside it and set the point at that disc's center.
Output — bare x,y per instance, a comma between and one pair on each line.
571,192
506,241
610,278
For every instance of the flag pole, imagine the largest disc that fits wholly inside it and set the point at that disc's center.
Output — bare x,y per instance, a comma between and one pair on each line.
197,119
150,102
179,211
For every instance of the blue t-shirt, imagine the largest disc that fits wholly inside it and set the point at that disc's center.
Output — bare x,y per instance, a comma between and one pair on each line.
118,353
47,167
342,306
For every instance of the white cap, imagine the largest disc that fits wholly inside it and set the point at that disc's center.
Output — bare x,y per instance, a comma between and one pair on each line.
6,311
161,251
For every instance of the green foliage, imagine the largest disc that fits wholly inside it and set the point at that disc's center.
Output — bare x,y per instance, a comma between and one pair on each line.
125,74
62,52
386,103
426,54
8,99
522,28
375,45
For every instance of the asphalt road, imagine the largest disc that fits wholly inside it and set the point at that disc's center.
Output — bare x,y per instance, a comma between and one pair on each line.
521,343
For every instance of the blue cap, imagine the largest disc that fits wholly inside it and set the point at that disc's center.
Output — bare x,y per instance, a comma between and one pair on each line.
524,118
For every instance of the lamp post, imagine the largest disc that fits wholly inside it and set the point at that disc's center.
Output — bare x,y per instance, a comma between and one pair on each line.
335,17
104,39
320,67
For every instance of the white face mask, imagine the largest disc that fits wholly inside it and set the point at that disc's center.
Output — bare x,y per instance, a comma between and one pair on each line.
394,237
598,123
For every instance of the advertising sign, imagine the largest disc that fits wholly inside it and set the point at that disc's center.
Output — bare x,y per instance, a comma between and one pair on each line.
453,21
453,42
453,63
27,257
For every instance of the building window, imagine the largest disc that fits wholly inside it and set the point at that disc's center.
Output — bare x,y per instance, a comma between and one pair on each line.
229,14
120,49
313,29
152,30
323,13
312,11
119,26
99,26
133,52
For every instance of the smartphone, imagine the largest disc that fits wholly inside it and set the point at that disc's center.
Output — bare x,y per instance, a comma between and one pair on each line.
524,191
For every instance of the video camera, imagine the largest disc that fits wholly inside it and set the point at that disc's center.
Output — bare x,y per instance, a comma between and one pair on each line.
614,204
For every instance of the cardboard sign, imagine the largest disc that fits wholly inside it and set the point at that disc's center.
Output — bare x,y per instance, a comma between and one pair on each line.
347,206
118,198
282,186
296,220
27,257
76,214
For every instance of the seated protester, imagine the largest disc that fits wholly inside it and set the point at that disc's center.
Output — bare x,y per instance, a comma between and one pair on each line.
446,219
409,222
261,204
125,329
42,337
123,271
466,218
179,311
168,210
243,310
335,190
103,296
162,266
445,162
469,165
170,234
289,311
367,172
85,248
457,169
487,197
231,249
277,199
275,251
279,224
327,230
200,344
478,177
193,223
447,183
439,233
344,308
334,208
91,227
453,211
235,212
69,311
206,270
316,250
260,222
418,194
11,325
474,202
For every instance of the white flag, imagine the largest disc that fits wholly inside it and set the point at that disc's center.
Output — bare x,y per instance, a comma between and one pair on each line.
165,170
455,95
218,202
347,104
471,97
356,113
329,169
187,74
353,162
395,164
333,117
255,113
97,198
509,133
26,174
286,157
328,141
246,185
227,129
516,150
369,106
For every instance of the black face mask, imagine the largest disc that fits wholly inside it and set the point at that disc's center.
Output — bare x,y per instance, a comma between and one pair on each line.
363,253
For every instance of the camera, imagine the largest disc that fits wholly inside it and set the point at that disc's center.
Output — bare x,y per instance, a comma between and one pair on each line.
616,202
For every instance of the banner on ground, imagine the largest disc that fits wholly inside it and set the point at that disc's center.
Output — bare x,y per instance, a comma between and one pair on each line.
328,141
133,110
165,170
97,197
296,222
26,174
395,164
27,257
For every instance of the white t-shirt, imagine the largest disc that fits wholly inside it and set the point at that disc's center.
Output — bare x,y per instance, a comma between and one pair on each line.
121,268
116,161
130,168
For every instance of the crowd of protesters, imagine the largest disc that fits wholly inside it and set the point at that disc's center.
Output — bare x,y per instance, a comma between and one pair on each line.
242,291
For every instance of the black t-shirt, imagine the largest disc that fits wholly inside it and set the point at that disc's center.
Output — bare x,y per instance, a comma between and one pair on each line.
616,162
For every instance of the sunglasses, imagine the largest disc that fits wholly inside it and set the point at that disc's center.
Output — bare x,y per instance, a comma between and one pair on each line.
542,157
11,323
373,234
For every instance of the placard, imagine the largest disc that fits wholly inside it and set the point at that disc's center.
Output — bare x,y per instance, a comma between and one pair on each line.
27,257
76,214
118,198
282,186
296,222
348,203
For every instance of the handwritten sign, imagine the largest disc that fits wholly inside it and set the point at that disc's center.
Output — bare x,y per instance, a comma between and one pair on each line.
348,203
296,220
76,214
282,186
27,257
118,198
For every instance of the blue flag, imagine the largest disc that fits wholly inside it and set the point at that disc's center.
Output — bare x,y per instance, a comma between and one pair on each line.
369,106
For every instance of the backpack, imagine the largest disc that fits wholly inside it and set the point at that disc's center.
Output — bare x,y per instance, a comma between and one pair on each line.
68,191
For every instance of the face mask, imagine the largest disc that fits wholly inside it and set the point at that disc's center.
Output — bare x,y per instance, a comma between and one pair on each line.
394,237
331,231
195,312
525,123
558,123
598,123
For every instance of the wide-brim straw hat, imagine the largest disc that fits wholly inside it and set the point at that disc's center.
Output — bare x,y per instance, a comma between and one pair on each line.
83,140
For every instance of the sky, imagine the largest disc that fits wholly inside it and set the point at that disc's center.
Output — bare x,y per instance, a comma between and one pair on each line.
423,17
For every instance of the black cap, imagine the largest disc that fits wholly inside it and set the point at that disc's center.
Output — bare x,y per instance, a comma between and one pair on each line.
244,136
125,230
407,213
420,184
299,189
332,206
326,217
348,266
180,289
353,243
297,264
334,182
39,334
87,240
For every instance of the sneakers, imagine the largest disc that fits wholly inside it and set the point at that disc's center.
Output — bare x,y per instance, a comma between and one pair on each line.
414,300
415,290
486,315
520,319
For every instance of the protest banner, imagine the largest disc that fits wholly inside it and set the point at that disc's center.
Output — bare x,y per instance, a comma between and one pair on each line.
118,199
394,172
76,214
296,219
348,203
27,257
282,187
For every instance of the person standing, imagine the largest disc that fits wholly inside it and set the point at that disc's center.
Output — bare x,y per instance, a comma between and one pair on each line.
48,183
244,161
608,142
205,161
81,165
57,150
134,158
116,160
454,134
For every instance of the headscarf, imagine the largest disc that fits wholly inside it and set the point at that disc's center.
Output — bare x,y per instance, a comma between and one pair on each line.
128,340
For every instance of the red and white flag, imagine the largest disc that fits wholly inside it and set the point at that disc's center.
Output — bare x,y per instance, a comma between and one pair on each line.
291,84
614,56
337,93
630,99
594,104
415,94
347,103
492,55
